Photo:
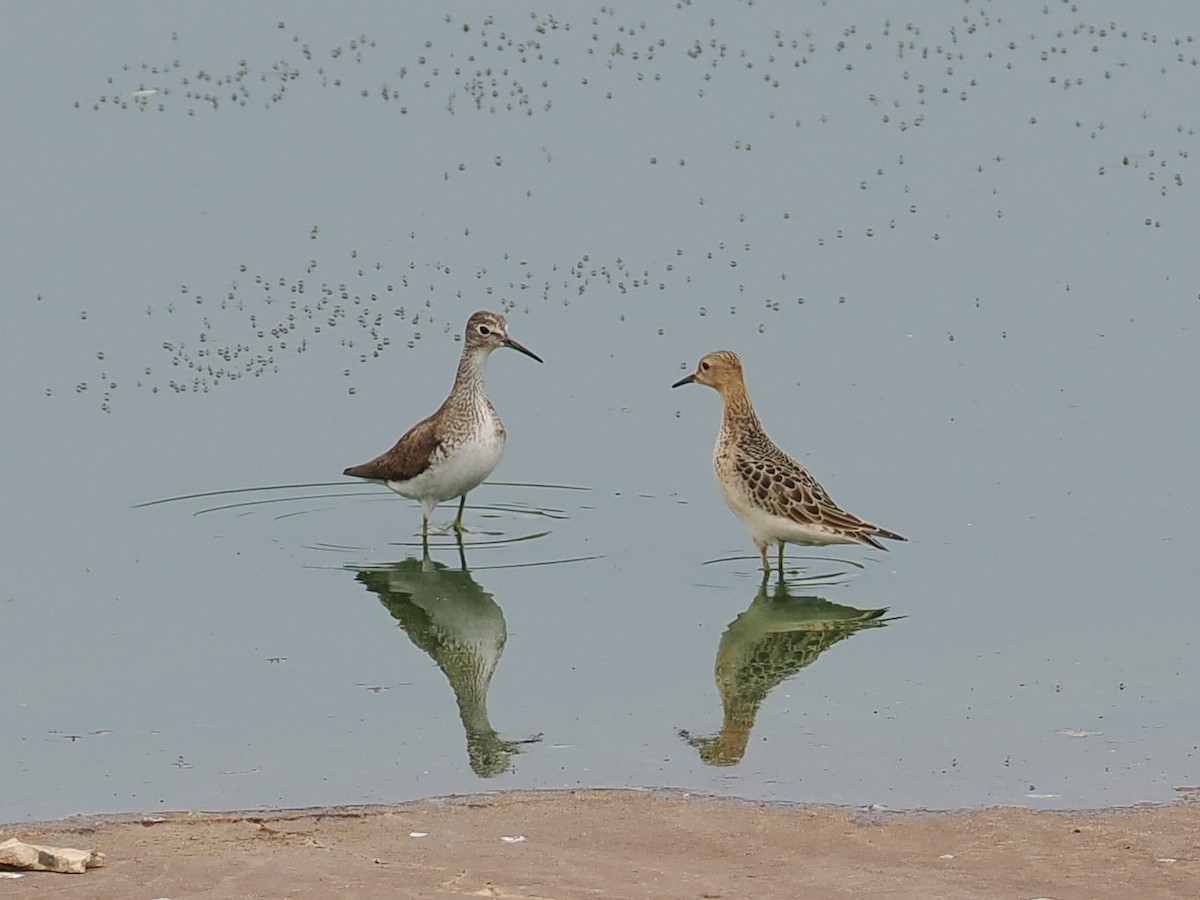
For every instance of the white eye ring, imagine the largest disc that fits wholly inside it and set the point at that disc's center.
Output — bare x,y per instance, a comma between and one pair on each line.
484,330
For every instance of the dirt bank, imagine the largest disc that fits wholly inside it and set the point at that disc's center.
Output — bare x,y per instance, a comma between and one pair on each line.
627,844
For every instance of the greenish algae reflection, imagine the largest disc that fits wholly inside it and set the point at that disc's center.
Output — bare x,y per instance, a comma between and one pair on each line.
773,639
447,614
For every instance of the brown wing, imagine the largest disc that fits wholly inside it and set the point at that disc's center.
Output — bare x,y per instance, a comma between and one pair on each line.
788,489
410,457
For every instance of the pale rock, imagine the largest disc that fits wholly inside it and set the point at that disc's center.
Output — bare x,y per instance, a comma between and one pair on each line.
17,854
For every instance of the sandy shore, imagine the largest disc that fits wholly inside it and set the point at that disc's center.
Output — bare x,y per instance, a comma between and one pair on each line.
627,844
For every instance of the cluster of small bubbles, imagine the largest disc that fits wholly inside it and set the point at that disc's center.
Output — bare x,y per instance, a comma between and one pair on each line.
496,64
162,86
504,64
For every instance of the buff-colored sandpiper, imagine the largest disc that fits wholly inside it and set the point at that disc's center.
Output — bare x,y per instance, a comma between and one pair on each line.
452,451
777,499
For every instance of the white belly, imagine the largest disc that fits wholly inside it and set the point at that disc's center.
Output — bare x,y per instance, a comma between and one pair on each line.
767,528
464,469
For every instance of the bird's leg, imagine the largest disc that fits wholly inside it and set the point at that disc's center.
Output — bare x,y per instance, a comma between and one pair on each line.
762,548
425,535
458,525
462,551
781,560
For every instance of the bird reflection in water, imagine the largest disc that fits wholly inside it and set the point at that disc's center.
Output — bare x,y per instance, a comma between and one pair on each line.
448,615
772,640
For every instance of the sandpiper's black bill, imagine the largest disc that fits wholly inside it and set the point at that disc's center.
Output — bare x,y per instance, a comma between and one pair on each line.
683,381
509,342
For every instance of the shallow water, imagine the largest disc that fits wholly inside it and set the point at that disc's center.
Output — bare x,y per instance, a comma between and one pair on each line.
953,247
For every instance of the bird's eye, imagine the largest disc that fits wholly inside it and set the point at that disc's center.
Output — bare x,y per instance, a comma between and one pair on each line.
484,330
704,366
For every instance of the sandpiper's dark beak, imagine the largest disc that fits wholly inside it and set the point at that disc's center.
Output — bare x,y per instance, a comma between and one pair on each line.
683,381
509,342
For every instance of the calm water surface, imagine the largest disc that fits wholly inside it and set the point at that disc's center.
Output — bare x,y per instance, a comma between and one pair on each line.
955,248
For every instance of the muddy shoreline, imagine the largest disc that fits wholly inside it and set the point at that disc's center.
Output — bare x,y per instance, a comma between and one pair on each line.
626,844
